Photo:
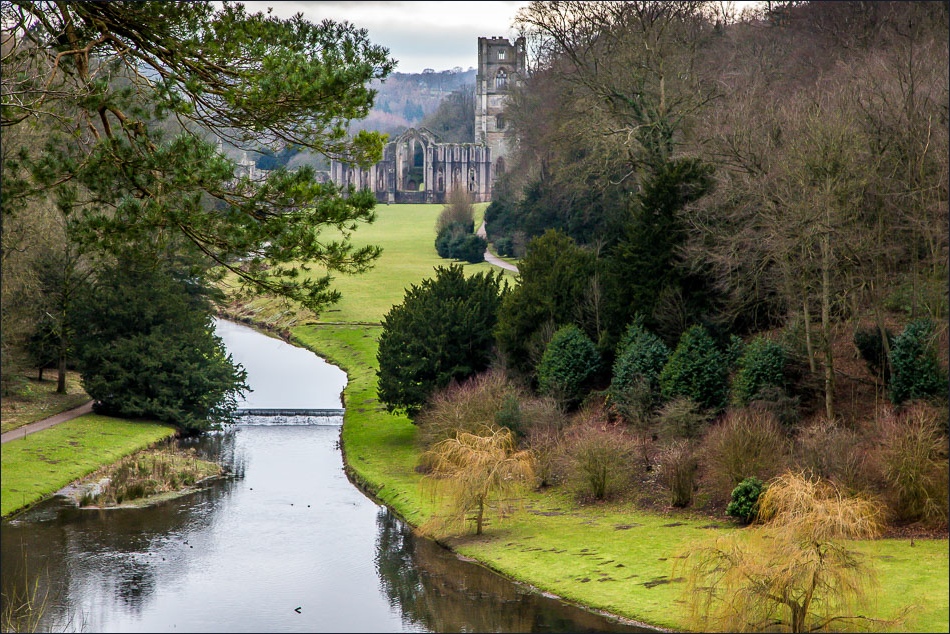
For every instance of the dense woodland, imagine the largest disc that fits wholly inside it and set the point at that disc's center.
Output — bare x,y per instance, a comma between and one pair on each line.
733,242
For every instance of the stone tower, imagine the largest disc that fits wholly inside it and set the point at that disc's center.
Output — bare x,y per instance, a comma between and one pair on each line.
501,65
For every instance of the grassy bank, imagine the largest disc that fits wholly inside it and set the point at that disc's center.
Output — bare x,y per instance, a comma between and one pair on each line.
40,464
608,557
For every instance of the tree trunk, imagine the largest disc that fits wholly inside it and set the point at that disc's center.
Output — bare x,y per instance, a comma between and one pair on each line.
61,379
826,326
479,515
63,346
798,619
809,346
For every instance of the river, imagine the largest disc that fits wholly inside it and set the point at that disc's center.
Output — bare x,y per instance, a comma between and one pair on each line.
285,543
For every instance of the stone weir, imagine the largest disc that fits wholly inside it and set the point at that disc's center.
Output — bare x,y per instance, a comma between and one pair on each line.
244,411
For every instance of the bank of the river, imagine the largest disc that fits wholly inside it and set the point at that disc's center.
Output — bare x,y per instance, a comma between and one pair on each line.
39,465
611,558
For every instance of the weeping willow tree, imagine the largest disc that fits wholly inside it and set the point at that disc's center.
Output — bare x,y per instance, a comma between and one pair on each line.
474,473
794,572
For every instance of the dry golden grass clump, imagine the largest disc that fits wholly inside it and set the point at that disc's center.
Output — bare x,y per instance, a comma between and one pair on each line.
147,473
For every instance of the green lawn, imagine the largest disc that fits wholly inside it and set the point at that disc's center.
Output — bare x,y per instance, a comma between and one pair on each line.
40,464
407,235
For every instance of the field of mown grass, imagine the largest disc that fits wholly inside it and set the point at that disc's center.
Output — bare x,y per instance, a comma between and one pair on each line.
407,235
610,557
40,464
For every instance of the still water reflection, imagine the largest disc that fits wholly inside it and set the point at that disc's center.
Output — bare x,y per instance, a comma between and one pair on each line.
284,544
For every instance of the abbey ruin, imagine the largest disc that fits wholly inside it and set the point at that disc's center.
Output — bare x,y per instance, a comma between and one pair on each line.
418,168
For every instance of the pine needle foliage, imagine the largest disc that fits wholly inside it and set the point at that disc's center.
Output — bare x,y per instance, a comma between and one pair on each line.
477,473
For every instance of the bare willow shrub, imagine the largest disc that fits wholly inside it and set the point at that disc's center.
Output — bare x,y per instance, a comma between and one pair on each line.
746,442
599,460
913,457
477,474
793,571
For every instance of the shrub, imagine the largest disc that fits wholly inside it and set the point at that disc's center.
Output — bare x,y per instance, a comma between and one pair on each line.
481,473
548,448
509,414
541,412
471,249
761,365
458,210
833,453
599,461
446,241
505,247
570,361
744,504
915,466
634,403
696,369
744,443
459,243
775,401
680,418
640,357
915,370
678,465
455,230
734,351
464,406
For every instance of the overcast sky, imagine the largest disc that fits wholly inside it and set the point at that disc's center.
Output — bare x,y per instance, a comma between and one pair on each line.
419,35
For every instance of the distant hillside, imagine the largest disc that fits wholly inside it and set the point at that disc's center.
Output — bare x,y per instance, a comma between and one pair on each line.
404,99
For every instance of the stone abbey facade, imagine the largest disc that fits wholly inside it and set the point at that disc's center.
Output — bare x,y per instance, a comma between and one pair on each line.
417,168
